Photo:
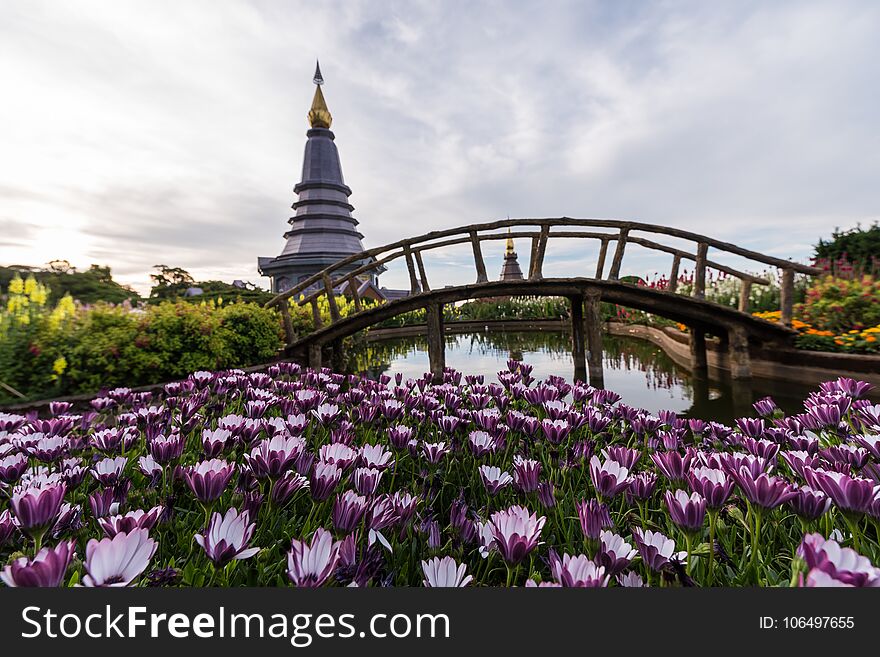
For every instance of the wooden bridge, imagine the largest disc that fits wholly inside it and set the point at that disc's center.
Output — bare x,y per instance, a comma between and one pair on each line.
734,326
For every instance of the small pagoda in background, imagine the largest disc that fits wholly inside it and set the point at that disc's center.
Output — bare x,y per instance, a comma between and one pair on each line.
510,270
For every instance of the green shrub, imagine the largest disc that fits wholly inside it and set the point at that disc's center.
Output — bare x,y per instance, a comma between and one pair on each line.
839,304
69,349
252,334
855,250
104,349
184,337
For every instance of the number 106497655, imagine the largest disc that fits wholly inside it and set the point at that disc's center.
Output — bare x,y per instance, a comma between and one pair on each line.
807,623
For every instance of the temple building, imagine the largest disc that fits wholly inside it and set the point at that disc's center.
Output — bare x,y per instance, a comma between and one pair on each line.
322,230
510,270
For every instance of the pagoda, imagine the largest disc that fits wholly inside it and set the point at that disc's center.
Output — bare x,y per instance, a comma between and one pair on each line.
510,270
322,230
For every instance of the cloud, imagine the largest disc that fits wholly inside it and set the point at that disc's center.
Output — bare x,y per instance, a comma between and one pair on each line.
173,132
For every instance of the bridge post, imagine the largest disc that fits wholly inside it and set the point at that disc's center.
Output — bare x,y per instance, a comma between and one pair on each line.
699,363
355,295
316,315
600,264
578,338
593,325
786,300
738,350
673,275
616,263
421,265
337,356
745,290
288,324
414,286
700,271
479,263
539,248
331,298
436,340
315,356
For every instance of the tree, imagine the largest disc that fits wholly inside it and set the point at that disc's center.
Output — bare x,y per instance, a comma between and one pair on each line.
63,267
169,282
860,247
91,286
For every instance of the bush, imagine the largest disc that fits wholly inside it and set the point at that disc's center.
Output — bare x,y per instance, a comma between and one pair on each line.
70,349
104,350
184,337
851,250
25,363
838,304
252,333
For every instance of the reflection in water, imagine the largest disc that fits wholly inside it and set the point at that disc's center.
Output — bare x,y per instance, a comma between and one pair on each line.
636,369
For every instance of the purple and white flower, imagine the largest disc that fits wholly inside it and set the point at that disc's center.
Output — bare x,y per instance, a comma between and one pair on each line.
227,537
311,564
120,560
445,573
47,569
515,532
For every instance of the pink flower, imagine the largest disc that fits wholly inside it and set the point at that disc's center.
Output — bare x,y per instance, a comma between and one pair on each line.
515,532
839,563
37,508
118,561
609,478
227,536
46,569
209,479
445,572
494,479
132,520
579,571
312,564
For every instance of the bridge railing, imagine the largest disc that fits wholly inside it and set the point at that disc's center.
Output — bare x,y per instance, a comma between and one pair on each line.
539,231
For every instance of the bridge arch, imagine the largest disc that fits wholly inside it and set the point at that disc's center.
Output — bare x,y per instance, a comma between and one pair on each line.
735,325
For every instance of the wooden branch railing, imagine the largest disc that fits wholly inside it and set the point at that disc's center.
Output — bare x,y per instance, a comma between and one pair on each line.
348,270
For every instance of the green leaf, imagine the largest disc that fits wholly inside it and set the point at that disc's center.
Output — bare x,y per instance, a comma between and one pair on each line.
737,515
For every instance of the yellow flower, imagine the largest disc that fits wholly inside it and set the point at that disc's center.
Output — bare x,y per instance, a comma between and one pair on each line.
59,365
64,310
16,285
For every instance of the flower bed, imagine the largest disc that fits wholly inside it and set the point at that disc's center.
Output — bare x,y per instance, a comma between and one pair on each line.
313,478
855,341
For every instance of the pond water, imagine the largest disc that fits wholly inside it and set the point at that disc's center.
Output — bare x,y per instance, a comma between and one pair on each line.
638,370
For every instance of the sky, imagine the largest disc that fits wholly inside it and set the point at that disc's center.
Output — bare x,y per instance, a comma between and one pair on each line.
134,133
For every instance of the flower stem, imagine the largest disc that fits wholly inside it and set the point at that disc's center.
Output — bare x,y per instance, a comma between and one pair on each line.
713,517
755,537
854,528
687,543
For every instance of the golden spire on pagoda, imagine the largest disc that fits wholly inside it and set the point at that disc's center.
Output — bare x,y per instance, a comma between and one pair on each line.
319,115
509,250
